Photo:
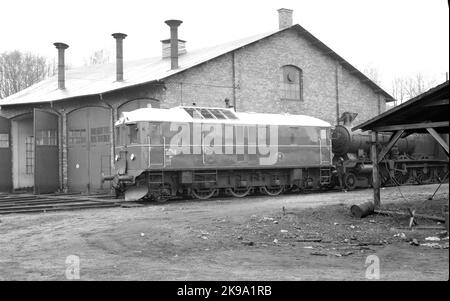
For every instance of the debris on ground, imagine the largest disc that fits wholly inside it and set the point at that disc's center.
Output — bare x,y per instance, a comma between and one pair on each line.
318,254
432,238
431,245
400,235
248,243
414,242
309,239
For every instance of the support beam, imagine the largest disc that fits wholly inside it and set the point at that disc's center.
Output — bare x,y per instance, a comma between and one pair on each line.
388,147
375,173
438,139
411,126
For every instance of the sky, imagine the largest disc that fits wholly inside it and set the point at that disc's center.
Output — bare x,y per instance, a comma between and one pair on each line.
396,37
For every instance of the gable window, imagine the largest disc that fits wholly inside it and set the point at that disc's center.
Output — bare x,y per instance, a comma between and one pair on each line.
292,83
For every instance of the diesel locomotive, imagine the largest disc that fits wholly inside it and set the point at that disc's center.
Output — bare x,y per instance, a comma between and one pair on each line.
202,152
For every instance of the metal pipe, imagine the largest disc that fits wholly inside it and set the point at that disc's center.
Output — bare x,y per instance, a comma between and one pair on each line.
61,65
119,54
173,24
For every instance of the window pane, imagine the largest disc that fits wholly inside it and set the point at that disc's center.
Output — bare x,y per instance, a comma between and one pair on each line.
4,140
292,83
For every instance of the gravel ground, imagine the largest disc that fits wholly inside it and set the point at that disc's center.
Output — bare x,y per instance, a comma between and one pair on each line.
290,237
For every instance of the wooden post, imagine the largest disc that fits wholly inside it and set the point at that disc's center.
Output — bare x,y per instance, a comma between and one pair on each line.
375,173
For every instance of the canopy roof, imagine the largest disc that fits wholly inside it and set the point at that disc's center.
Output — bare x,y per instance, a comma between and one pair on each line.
428,110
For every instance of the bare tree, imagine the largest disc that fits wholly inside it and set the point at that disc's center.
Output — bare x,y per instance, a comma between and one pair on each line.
98,57
405,88
20,70
398,89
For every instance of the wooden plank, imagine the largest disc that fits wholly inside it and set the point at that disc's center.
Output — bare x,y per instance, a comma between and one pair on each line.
388,147
439,139
411,126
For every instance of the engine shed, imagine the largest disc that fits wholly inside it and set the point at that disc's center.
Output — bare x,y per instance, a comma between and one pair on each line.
58,134
426,113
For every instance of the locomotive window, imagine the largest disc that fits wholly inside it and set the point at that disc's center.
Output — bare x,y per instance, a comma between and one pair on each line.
203,113
229,114
133,133
323,134
206,114
218,114
4,140
118,136
121,135
190,111
293,135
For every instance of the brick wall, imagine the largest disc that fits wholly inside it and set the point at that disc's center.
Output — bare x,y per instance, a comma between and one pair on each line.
258,81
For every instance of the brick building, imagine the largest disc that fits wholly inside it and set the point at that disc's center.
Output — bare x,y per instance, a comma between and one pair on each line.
58,134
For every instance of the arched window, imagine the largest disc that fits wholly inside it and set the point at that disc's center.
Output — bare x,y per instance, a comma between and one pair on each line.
291,83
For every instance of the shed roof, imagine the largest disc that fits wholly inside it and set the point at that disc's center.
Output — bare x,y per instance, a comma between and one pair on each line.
429,108
97,79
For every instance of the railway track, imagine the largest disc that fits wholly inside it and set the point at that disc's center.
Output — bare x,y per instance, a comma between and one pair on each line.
27,203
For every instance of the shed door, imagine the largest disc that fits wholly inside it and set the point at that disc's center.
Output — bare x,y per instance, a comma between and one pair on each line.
5,155
89,149
46,172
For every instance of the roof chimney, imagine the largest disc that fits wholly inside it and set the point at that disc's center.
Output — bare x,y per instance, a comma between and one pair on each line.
61,66
173,24
119,54
285,18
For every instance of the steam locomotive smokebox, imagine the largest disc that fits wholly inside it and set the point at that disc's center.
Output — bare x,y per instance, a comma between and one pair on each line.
362,210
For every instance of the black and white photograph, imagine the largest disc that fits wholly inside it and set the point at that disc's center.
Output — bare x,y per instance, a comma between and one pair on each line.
224,148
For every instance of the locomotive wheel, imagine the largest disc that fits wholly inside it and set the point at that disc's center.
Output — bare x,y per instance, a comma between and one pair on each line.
239,192
423,178
203,194
350,181
272,190
401,178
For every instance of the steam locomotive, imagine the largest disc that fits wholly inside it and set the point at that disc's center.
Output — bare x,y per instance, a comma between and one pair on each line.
202,152
414,159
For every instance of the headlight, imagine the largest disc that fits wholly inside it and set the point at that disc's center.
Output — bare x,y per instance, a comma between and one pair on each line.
132,157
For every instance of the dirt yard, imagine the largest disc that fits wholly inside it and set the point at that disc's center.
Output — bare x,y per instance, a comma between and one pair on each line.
291,237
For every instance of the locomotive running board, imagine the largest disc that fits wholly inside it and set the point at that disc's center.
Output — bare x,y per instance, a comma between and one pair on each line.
135,193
